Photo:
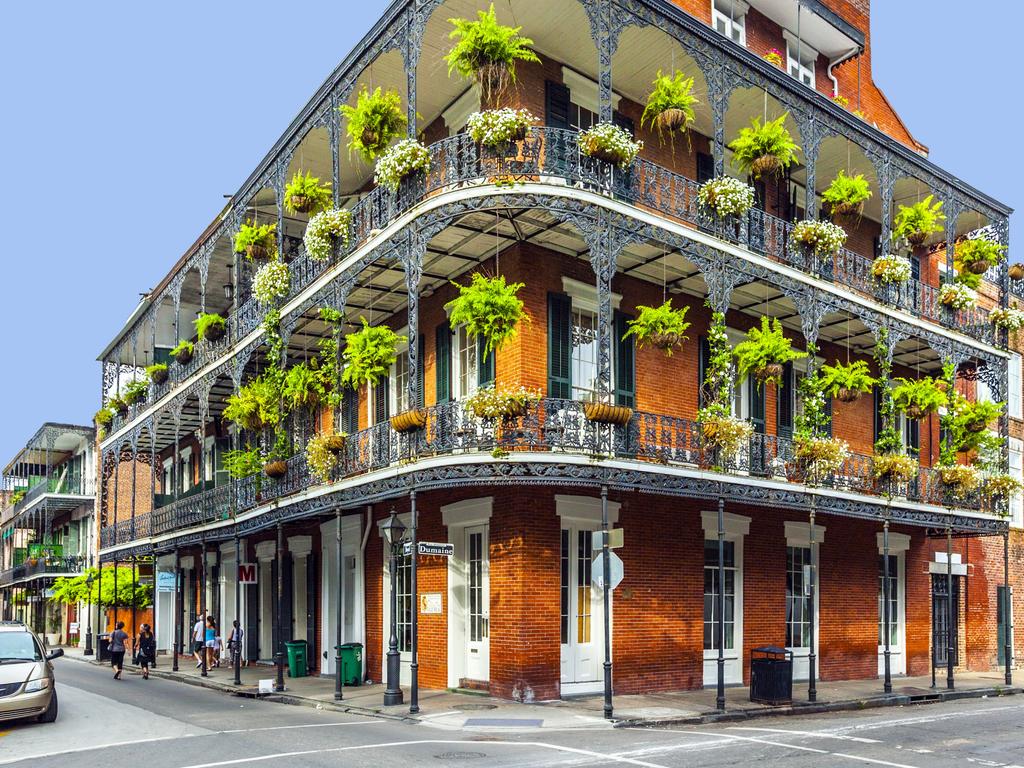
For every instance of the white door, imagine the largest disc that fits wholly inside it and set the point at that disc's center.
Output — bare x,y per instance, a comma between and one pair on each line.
266,620
733,623
478,611
798,610
897,615
582,615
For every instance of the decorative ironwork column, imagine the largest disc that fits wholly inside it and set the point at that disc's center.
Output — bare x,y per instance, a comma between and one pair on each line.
812,658
279,651
414,667
412,262
950,632
720,605
339,624
1007,611
606,576
886,618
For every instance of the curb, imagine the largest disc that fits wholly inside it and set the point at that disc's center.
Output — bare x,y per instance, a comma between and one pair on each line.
875,702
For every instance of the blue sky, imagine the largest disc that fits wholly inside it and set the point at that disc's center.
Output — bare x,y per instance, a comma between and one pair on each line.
126,123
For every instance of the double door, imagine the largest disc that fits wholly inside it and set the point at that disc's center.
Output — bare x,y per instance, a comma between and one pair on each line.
582,615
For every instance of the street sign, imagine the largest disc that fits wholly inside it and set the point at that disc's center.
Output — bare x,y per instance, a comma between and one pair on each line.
614,539
430,548
247,573
165,581
597,570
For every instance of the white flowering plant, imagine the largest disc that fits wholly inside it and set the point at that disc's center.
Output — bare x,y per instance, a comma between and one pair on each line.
498,127
321,460
271,282
496,402
891,268
404,158
609,142
822,238
957,296
726,196
323,230
1010,318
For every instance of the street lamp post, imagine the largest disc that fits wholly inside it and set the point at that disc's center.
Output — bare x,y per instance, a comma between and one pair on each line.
88,617
394,533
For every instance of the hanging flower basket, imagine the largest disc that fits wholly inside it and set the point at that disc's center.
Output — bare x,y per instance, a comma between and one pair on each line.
183,355
1016,271
409,421
300,203
963,477
215,332
957,296
890,268
895,467
917,238
672,119
606,413
726,196
847,395
768,372
334,443
257,252
610,144
665,341
725,432
275,469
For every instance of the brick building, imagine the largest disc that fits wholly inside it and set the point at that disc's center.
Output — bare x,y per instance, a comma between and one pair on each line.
722,551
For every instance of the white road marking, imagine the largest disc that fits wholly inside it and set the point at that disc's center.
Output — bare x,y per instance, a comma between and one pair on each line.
861,758
308,725
760,741
923,719
109,745
818,734
384,745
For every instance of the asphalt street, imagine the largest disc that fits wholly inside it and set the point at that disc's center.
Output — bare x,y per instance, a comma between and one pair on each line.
165,724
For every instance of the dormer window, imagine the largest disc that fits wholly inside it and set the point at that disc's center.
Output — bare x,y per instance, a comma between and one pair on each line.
800,60
729,18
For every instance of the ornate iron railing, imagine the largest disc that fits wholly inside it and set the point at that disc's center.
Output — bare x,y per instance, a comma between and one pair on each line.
548,426
58,565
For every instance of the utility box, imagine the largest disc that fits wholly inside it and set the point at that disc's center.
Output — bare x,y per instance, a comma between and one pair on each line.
771,675
351,663
297,666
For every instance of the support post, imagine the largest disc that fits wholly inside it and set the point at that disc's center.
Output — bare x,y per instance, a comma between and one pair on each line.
204,609
1007,611
115,593
720,606
88,619
414,667
99,602
393,692
179,609
886,618
950,633
339,624
135,581
812,677
279,651
607,577
236,652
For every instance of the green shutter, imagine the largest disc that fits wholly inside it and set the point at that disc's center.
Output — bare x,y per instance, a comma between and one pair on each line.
625,362
380,400
757,405
443,362
559,346
350,411
485,364
784,397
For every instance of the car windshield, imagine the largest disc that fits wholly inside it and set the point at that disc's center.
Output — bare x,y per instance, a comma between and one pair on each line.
18,645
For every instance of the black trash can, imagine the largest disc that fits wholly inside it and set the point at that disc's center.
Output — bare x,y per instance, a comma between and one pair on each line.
103,648
771,675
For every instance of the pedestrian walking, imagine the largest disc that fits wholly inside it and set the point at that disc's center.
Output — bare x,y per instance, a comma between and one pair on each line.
118,639
210,640
218,648
198,638
235,640
145,649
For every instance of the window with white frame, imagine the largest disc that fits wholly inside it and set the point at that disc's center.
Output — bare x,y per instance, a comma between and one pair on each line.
798,602
888,570
466,374
185,457
800,60
584,354
400,383
403,597
1017,470
168,477
583,99
712,589
209,456
1015,382
728,17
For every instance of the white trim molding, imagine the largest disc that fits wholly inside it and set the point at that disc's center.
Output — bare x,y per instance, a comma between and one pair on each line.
798,534
265,550
735,525
898,542
585,509
584,295
300,546
468,512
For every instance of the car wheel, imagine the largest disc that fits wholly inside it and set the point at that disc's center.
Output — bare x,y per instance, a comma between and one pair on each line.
51,711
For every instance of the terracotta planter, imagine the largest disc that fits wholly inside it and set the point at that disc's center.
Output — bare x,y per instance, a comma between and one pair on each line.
604,154
409,421
672,120
847,395
214,333
159,376
257,252
769,371
766,165
1016,271
275,469
917,238
184,357
978,267
606,413
300,203
335,443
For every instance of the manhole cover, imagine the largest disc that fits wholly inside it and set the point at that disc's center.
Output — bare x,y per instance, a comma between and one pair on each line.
460,755
472,707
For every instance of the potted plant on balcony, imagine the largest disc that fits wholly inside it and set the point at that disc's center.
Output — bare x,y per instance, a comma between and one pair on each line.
256,405
118,405
820,456
662,327
846,382
774,57
399,162
957,296
764,351
890,268
487,52
670,104
725,196
243,463
325,230
978,254
321,455
975,417
918,397
182,353
271,282
306,193
610,144
499,129
103,418
495,402
135,391
1010,318
846,195
376,119
489,308
960,478
915,223
721,431
1016,271
304,386
764,149
157,373
256,241
820,239
1001,486
369,354
275,464
210,326
894,467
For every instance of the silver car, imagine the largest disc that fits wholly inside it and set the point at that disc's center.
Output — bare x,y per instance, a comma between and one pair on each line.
26,675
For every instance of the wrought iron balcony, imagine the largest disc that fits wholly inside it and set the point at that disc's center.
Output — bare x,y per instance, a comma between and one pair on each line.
548,426
72,564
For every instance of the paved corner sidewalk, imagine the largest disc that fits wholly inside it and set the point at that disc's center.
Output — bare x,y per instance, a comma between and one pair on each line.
467,711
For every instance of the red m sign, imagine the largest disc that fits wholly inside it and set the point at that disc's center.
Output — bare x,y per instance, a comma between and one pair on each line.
247,573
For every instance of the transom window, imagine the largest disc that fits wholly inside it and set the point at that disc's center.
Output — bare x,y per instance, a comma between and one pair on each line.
798,603
467,375
712,590
892,575
729,18
584,354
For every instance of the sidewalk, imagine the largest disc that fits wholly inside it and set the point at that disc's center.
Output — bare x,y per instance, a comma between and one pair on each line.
457,710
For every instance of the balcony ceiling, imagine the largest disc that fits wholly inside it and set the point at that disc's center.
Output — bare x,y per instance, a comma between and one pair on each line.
816,30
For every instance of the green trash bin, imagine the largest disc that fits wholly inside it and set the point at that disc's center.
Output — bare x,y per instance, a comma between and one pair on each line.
351,663
296,658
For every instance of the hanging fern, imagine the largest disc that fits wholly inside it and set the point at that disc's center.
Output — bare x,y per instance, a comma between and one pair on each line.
489,308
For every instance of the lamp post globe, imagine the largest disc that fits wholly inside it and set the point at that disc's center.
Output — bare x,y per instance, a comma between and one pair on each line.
394,532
